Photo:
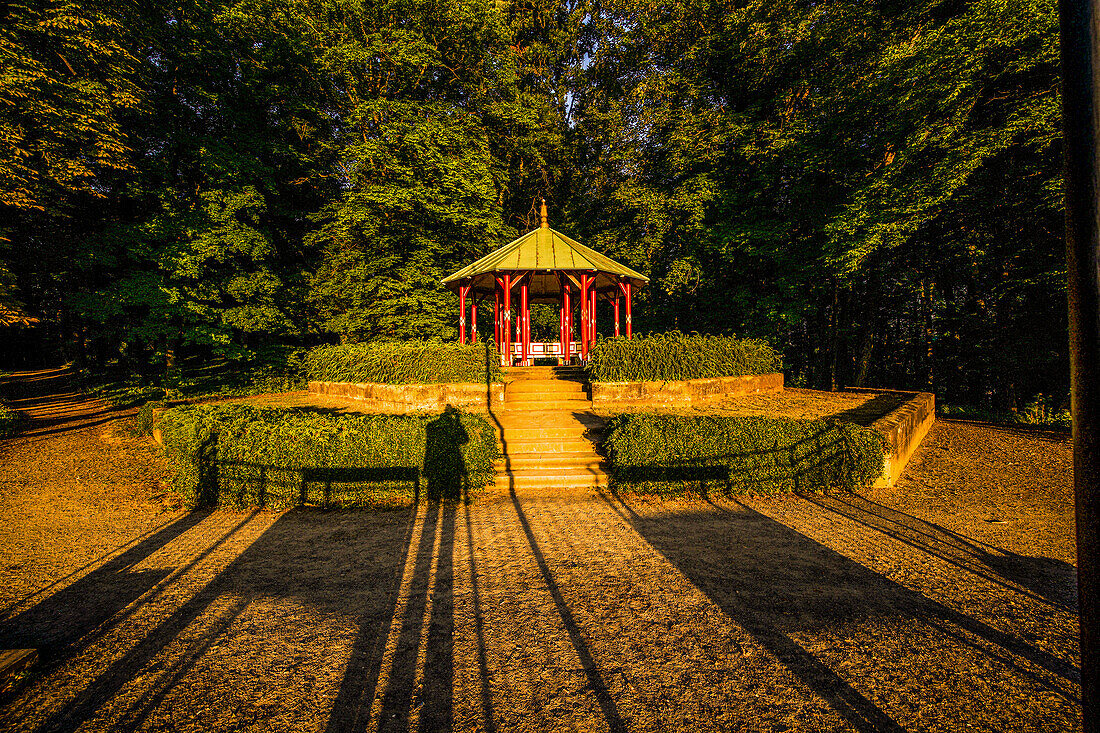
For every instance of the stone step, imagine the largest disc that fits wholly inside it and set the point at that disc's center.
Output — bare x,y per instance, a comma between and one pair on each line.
550,479
557,405
543,385
535,433
546,446
545,396
555,461
546,372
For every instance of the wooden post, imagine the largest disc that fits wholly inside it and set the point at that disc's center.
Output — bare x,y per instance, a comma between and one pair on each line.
525,322
506,324
592,316
496,312
473,322
629,330
567,307
616,315
584,317
462,289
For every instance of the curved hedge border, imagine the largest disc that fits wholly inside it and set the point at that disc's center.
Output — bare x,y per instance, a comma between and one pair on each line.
245,456
678,454
679,356
408,362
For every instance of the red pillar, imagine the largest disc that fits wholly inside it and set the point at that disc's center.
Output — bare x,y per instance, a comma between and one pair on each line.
525,320
592,318
567,309
584,317
506,323
462,289
629,330
496,312
473,323
616,315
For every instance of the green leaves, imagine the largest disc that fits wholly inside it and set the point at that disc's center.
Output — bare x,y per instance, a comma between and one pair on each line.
408,362
678,454
674,356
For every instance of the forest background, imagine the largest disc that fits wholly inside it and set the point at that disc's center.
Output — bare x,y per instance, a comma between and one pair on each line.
872,186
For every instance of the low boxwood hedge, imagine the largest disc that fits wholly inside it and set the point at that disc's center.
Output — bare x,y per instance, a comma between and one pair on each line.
407,362
675,356
246,456
676,454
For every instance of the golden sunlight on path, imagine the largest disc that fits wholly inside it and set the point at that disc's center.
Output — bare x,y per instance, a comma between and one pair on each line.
545,611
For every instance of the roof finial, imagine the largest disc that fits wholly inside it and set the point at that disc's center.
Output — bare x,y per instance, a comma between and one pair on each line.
545,219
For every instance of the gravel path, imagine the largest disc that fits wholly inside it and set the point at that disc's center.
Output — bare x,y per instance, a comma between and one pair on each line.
945,603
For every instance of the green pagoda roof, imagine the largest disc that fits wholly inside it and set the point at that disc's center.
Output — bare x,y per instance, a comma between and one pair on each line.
544,252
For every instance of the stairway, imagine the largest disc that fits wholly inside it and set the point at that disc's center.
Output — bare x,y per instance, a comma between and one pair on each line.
547,431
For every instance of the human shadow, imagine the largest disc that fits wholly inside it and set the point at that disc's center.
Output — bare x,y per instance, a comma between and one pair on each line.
775,583
1045,579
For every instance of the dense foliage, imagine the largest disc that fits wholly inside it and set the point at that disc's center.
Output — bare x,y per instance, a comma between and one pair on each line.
677,454
245,456
412,362
871,186
676,355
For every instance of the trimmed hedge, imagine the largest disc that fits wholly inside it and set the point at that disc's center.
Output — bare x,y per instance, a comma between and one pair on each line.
675,356
677,454
409,362
246,456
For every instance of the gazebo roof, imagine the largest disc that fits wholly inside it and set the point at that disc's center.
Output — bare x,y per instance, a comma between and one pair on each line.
544,252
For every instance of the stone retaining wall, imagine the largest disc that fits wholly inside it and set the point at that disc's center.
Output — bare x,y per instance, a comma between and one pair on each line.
683,392
903,428
413,397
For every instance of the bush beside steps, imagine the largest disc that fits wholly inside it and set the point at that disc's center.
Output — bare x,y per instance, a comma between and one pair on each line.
243,456
677,454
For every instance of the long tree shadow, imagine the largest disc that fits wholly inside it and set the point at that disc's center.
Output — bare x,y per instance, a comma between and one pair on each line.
775,582
63,623
1046,579
392,572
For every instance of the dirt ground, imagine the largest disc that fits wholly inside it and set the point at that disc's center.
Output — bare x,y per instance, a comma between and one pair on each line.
943,604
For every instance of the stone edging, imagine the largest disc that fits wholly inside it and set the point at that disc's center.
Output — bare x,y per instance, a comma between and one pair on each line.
903,429
415,396
686,391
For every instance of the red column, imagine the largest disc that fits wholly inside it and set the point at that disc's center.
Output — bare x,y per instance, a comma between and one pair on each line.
584,317
506,323
473,323
616,315
525,319
592,318
462,313
629,330
496,312
567,309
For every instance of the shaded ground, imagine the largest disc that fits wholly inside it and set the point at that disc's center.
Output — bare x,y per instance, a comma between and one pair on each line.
899,609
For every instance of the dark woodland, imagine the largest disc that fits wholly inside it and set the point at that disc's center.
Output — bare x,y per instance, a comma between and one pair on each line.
872,186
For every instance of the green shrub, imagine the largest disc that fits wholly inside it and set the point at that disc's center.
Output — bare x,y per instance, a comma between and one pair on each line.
674,355
8,420
410,362
143,421
244,456
675,454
